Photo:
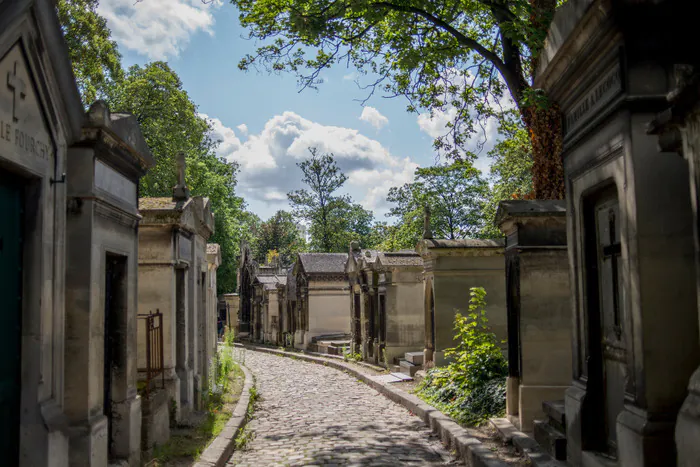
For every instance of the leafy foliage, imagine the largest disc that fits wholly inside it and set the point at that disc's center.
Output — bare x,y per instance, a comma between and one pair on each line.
334,219
95,57
454,56
169,122
511,172
471,388
456,194
281,235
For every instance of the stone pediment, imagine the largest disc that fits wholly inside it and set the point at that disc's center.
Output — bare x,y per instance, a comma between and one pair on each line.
204,216
24,133
166,211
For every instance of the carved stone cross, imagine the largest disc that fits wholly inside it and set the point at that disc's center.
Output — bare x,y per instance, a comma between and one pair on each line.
18,88
180,191
427,233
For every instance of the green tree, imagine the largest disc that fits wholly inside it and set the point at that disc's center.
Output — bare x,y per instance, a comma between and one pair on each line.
454,55
456,194
281,234
94,55
511,172
320,205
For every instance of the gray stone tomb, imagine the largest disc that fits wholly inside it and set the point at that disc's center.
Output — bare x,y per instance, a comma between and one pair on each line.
630,231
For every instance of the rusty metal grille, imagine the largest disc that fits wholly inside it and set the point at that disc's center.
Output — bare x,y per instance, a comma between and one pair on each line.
154,350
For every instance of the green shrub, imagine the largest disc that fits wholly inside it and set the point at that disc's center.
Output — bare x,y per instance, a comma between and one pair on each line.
350,356
472,387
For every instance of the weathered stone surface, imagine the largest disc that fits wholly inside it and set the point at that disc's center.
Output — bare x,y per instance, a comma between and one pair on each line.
314,415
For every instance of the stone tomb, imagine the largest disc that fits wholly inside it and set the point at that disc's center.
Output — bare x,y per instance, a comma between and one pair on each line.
232,309
101,288
401,318
364,302
212,302
679,134
323,298
173,279
40,117
539,309
266,306
630,229
450,269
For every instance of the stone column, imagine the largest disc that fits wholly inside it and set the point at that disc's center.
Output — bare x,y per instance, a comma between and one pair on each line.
538,306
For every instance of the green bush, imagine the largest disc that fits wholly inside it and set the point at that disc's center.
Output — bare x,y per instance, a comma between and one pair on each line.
472,387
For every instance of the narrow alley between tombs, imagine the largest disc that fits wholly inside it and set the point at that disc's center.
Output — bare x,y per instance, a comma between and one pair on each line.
311,414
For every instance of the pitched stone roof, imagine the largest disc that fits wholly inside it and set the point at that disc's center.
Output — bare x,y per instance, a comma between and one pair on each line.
463,243
400,258
323,263
524,207
164,204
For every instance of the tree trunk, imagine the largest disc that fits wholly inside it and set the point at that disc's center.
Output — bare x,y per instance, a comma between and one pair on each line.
544,127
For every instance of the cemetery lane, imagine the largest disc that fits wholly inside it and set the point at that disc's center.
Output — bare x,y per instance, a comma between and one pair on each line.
310,414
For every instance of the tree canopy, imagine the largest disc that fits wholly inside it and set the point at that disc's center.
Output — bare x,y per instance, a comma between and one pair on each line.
280,234
457,56
169,122
455,193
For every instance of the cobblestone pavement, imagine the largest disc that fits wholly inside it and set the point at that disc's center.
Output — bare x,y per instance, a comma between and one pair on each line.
313,415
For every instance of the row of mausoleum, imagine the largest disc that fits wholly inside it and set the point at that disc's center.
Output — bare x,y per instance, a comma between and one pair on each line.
108,300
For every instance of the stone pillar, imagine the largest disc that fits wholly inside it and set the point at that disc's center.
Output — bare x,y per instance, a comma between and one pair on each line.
538,306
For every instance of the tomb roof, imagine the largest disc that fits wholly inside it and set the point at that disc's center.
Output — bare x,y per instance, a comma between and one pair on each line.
400,258
165,203
323,263
465,245
529,208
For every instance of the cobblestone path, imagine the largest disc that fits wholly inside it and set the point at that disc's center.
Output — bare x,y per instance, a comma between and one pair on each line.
312,415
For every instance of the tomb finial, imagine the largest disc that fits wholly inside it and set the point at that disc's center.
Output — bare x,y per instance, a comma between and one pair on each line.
180,191
427,233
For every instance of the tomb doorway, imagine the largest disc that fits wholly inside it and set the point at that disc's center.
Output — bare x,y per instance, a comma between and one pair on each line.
11,208
607,349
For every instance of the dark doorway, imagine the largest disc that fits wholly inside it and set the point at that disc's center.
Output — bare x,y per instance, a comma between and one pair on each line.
513,314
11,210
382,325
606,344
115,308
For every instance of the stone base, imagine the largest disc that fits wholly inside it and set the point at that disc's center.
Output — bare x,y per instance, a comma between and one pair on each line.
155,421
89,443
530,401
126,430
688,425
642,441
513,396
186,396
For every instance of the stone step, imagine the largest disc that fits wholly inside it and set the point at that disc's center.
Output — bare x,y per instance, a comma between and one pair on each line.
550,439
556,414
414,357
504,429
409,368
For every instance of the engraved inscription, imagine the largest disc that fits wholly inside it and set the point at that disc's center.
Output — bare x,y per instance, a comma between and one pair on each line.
111,181
185,247
23,131
602,93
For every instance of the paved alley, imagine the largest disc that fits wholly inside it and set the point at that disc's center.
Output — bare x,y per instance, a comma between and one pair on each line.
310,414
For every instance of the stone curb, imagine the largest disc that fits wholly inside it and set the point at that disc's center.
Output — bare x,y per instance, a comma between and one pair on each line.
451,433
219,451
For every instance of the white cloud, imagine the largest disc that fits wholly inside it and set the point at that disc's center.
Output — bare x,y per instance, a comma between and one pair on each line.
373,117
436,125
157,29
228,141
268,161
243,128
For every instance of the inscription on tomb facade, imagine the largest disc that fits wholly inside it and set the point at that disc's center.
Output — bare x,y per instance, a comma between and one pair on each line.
111,181
23,131
603,92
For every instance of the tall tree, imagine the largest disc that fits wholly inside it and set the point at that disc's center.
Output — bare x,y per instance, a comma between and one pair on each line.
94,55
320,205
511,172
458,56
334,219
281,234
456,194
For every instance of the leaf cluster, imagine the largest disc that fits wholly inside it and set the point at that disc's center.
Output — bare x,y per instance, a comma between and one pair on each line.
472,386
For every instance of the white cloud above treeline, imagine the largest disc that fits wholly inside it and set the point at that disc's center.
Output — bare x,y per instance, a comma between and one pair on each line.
268,159
374,117
157,29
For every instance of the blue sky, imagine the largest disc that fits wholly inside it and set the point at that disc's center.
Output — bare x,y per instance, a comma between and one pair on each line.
264,123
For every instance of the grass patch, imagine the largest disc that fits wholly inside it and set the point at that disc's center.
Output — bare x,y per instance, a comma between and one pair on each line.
187,443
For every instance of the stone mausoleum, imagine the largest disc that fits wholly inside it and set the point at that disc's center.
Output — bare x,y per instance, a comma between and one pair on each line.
610,65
